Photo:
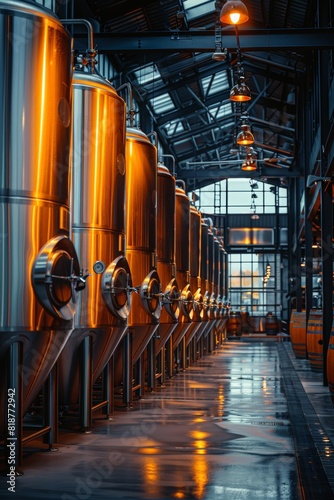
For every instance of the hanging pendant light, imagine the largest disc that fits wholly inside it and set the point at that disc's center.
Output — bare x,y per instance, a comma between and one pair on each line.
249,165
240,92
234,12
245,137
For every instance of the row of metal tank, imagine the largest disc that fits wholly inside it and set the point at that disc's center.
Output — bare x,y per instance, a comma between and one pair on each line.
106,268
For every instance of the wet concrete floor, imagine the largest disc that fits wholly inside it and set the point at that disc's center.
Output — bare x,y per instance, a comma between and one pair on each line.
219,430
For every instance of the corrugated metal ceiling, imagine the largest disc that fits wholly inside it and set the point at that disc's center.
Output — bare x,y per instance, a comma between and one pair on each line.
202,131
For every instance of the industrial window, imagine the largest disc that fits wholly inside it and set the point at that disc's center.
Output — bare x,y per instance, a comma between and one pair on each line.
254,283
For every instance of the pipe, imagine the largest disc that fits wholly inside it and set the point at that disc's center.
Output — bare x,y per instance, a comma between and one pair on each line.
91,51
129,104
173,158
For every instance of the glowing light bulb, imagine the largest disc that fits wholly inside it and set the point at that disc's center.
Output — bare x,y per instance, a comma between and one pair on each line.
235,16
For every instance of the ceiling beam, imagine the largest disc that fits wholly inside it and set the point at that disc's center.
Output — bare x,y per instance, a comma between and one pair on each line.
203,41
219,174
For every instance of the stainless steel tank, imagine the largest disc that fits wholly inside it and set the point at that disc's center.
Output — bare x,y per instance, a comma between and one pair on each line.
182,229
166,267
212,305
205,286
195,283
98,233
215,331
141,248
40,274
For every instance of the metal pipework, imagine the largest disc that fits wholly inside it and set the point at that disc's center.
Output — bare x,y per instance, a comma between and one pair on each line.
91,51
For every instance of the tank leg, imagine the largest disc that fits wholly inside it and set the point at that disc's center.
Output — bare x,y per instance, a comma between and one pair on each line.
141,376
14,409
194,349
151,365
169,356
86,385
108,387
183,353
162,365
127,369
50,413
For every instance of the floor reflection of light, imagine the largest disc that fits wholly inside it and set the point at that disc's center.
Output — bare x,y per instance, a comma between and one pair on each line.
221,401
200,475
149,451
328,451
151,475
199,434
179,494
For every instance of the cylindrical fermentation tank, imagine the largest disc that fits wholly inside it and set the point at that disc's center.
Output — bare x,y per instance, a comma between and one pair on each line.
211,284
204,276
98,229
194,277
40,274
166,259
182,229
141,248
216,294
222,290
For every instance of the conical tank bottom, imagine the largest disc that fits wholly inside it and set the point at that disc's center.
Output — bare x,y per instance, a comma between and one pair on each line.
104,343
163,334
40,351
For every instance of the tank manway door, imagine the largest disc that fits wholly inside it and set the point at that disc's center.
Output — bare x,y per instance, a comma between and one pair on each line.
117,287
171,299
187,301
56,277
197,306
150,294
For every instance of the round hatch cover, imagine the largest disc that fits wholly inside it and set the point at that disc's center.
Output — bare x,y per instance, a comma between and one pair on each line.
116,287
56,277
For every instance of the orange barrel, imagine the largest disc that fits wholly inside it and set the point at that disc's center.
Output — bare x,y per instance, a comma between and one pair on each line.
234,324
314,340
330,364
298,333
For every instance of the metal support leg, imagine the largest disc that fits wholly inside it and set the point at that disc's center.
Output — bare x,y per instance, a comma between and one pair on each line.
162,366
14,409
169,356
127,369
50,413
86,384
151,369
141,376
108,387
183,353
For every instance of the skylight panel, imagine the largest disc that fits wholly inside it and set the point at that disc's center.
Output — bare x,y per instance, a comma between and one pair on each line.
147,74
198,8
217,83
162,103
174,127
222,110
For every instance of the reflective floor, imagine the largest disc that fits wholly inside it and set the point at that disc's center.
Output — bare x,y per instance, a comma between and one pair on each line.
226,428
